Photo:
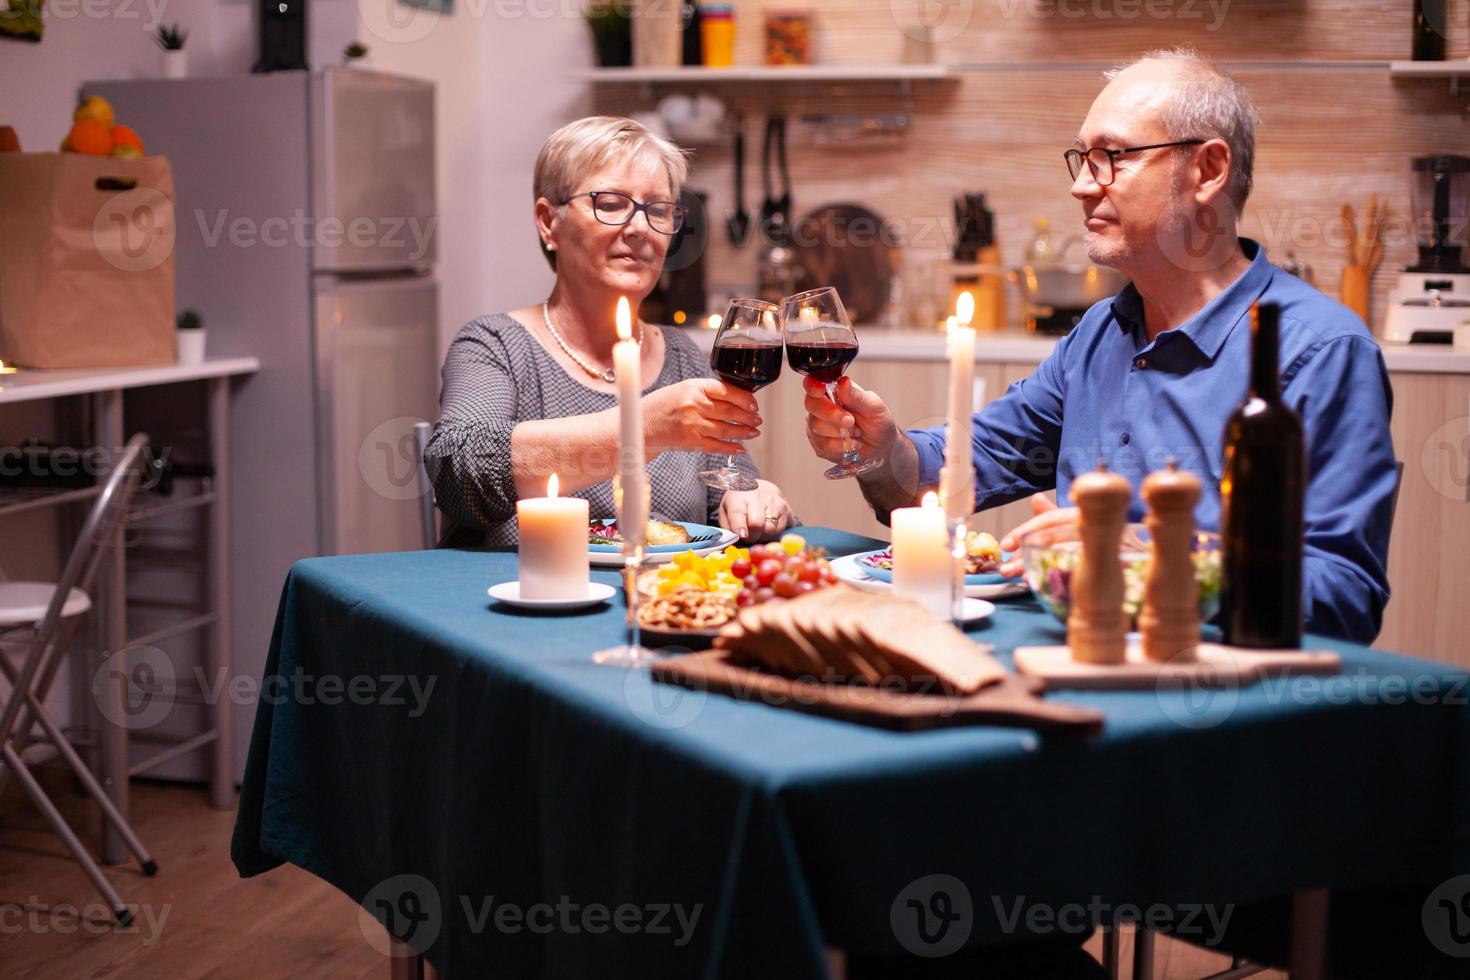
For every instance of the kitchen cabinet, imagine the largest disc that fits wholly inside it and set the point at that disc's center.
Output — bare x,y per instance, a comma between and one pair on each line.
1429,555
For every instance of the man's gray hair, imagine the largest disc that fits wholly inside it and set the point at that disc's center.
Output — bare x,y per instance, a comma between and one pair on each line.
1209,104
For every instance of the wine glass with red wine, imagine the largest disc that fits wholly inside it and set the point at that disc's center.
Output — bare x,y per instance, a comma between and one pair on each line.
820,343
747,354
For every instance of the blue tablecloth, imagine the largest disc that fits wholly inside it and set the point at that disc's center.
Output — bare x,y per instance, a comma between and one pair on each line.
468,774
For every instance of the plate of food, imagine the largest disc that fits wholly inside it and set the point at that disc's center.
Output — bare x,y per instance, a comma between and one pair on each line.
664,540
982,559
854,573
696,593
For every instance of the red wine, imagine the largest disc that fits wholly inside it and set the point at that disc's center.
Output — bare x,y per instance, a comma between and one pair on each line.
1261,505
747,366
825,361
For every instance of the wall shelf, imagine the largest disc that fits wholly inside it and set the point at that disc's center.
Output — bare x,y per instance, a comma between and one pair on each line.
1453,70
783,74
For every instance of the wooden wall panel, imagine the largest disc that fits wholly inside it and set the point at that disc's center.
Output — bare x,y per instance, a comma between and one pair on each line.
1330,133
1107,30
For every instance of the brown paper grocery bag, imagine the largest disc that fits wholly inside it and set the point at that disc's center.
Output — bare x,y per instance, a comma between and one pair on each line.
88,275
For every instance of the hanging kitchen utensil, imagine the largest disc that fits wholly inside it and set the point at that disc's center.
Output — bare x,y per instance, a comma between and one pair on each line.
783,203
738,224
772,226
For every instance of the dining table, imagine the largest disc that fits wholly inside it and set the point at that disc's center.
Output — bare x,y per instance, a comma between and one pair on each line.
506,807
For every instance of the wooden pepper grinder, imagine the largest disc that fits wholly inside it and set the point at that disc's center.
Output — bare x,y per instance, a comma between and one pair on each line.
1096,627
1169,620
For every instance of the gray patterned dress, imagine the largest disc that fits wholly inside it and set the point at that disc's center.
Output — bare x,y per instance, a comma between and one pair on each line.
496,375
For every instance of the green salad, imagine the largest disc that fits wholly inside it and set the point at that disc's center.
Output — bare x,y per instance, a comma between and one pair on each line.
1049,575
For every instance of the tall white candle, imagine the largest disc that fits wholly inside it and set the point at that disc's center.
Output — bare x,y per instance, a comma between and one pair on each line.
922,566
632,477
957,484
553,545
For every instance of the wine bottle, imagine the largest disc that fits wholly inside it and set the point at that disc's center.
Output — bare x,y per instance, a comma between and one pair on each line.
1261,502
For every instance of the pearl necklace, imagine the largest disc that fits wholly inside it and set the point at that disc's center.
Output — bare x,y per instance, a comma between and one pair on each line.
609,376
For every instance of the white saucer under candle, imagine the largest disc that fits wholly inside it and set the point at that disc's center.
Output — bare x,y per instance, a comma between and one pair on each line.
553,546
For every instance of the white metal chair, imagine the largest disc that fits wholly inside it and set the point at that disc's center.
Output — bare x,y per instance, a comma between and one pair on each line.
48,611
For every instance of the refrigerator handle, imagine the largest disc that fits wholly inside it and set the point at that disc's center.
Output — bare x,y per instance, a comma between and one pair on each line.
328,320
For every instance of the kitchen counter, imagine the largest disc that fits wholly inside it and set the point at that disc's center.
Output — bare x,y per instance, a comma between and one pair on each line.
1021,346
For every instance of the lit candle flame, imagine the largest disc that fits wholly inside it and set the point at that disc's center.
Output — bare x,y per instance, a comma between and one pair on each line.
931,499
552,486
808,315
964,308
715,320
625,319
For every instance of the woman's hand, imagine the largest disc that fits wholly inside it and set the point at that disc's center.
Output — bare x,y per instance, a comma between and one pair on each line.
699,415
756,515
860,412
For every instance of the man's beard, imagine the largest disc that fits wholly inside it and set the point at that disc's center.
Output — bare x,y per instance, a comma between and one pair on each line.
1124,250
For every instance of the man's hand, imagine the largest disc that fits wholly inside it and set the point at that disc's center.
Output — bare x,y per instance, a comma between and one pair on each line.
1046,515
860,412
756,515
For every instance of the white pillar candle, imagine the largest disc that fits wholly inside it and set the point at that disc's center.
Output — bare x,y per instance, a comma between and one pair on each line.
632,477
957,481
553,548
922,566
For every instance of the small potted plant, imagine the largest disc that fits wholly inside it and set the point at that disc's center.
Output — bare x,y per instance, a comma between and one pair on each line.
355,54
170,38
190,337
612,32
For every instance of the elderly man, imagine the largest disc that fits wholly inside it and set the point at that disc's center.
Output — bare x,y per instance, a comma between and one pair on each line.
1162,167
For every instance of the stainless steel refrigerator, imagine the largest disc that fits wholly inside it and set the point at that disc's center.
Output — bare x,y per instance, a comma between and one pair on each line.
306,235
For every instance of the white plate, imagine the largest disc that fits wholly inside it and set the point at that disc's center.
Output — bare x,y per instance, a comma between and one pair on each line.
510,594
614,559
850,571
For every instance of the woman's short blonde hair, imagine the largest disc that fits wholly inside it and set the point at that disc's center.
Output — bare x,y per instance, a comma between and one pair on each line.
581,147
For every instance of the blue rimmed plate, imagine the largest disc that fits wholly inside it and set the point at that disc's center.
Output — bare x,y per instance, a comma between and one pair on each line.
703,540
865,561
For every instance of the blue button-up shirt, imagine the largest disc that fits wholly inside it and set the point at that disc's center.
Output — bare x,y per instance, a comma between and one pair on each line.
1106,393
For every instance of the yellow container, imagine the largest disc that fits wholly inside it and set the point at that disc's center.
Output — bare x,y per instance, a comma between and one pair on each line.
1354,291
717,35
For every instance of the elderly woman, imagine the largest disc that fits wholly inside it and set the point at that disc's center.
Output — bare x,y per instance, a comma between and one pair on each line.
530,393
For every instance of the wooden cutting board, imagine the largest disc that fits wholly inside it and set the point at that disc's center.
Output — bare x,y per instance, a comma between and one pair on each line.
1215,664
1011,702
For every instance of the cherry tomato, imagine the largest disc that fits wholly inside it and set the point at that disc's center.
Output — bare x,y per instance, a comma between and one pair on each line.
810,573
740,567
745,598
763,595
784,585
768,570
758,554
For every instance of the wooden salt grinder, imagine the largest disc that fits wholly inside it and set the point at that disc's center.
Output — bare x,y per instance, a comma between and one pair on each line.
1096,627
1169,620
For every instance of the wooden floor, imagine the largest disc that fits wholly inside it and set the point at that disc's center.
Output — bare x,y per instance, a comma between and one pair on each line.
198,919
205,920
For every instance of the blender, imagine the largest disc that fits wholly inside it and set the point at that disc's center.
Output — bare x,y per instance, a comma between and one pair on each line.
1433,295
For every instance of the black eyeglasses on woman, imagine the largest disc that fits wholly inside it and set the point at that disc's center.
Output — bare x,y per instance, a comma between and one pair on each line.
614,208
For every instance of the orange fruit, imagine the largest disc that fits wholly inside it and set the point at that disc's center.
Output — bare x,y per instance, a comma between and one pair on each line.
9,142
124,137
89,136
95,107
